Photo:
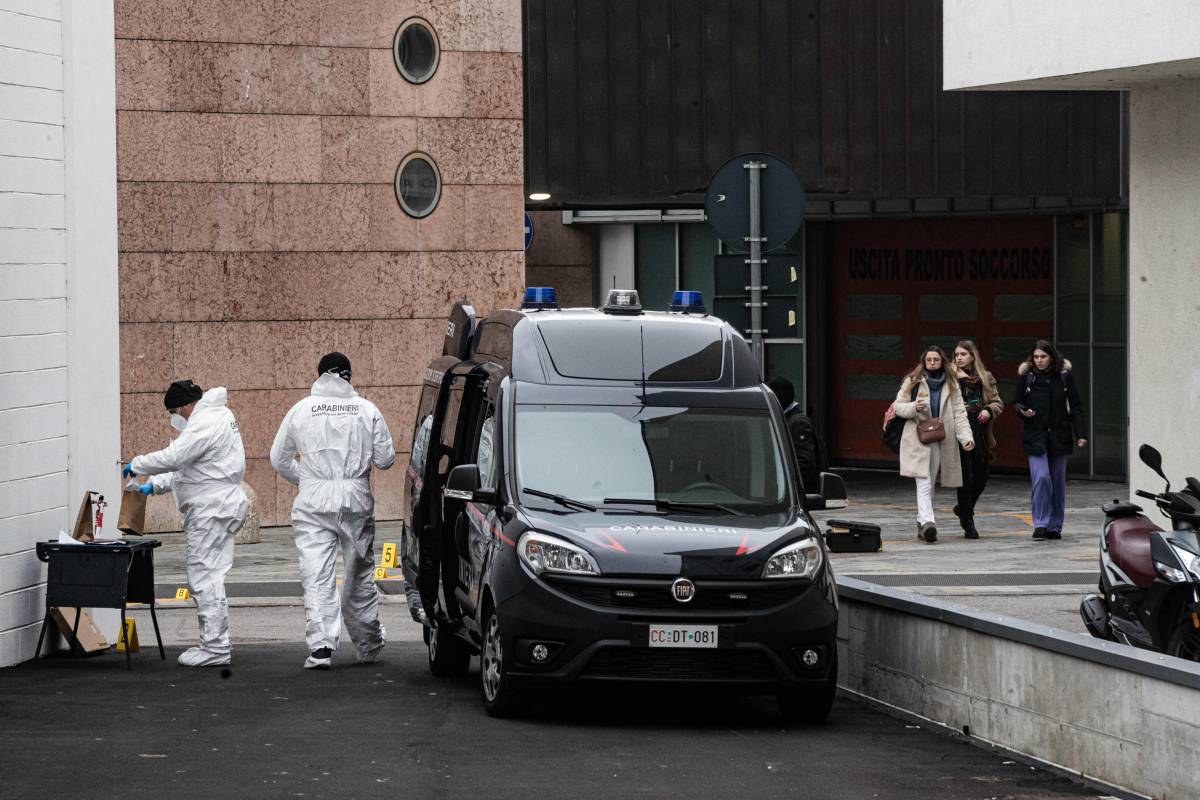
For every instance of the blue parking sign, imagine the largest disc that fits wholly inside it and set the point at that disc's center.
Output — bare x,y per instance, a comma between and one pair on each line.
528,230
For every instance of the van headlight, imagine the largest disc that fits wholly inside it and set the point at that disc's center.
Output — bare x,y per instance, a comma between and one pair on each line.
799,559
544,553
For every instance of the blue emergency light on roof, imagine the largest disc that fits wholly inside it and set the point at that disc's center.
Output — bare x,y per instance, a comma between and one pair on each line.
688,303
623,301
538,297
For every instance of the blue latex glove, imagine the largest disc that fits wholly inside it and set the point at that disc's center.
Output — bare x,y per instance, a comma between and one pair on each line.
146,489
127,472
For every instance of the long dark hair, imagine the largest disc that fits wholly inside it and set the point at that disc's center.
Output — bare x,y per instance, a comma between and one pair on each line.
1056,359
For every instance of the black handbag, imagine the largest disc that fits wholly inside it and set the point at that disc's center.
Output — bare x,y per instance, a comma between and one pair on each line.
893,427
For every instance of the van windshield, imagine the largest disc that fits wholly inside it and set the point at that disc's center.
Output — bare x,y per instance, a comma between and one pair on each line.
729,457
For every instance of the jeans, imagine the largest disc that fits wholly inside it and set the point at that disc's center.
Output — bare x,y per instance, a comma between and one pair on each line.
1049,496
925,485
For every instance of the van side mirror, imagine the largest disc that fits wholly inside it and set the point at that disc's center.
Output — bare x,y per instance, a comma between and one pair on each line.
832,494
463,484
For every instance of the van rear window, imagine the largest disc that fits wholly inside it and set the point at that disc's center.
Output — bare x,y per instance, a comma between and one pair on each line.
616,349
605,349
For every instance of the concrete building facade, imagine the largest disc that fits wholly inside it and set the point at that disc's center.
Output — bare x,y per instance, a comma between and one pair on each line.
59,404
1151,50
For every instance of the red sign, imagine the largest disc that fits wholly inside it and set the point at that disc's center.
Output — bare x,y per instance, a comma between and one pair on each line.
901,285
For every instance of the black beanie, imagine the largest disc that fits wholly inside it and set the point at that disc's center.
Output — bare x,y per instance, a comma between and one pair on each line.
783,389
334,362
180,393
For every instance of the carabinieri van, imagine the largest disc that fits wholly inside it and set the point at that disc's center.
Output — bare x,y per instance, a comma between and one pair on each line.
610,495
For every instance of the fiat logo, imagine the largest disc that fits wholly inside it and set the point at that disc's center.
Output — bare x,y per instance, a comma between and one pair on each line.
683,590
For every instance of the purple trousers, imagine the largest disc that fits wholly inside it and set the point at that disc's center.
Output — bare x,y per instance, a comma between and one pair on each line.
1049,477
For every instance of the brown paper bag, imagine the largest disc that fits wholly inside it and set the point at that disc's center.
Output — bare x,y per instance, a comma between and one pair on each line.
84,529
132,518
91,640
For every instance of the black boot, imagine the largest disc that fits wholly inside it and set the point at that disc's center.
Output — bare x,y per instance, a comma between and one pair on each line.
1040,533
969,529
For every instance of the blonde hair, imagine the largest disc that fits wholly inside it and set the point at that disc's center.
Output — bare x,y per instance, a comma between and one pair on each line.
977,362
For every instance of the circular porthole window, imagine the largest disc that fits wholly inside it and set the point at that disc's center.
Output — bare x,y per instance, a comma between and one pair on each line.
418,185
415,50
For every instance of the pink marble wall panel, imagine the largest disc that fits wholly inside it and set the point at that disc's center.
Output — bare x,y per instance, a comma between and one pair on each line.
496,215
259,414
236,355
147,357
388,488
468,85
165,287
473,151
398,404
298,347
365,149
400,348
261,476
242,78
258,227
486,25
145,426
165,217
152,146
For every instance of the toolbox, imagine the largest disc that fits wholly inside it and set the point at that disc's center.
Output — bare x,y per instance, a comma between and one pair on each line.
846,536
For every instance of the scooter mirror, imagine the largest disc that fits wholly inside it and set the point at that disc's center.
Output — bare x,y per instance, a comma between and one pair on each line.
1152,459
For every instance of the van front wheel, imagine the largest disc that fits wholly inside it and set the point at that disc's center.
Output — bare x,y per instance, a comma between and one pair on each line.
500,699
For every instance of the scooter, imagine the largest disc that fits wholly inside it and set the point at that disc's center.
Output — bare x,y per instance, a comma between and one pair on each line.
1150,577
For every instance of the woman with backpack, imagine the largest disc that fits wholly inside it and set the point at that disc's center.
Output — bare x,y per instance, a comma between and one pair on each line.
1054,424
982,401
930,400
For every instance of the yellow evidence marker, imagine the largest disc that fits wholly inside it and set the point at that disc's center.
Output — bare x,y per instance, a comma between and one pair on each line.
389,555
381,573
183,594
130,636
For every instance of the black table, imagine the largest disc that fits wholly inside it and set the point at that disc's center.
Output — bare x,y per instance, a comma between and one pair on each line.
99,575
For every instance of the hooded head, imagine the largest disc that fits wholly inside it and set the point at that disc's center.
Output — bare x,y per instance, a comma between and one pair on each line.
335,363
783,389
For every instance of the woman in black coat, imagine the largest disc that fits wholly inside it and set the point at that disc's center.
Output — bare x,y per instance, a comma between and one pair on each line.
1054,424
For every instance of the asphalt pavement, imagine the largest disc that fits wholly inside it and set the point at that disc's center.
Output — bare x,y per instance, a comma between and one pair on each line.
87,728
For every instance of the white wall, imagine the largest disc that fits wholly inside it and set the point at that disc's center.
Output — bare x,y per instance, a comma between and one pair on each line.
58,318
1164,278
1078,44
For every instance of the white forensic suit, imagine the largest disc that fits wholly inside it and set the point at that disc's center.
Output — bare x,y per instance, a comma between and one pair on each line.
204,467
337,436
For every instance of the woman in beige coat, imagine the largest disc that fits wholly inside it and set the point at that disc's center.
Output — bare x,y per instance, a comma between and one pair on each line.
936,396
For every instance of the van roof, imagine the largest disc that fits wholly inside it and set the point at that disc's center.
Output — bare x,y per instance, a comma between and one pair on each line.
585,345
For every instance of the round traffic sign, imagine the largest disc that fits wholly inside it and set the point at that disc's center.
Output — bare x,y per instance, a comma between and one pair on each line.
781,195
528,230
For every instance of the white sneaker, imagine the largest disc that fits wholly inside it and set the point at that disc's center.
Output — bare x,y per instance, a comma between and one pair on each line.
199,657
317,661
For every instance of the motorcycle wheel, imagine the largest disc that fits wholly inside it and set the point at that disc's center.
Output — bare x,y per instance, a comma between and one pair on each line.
1185,641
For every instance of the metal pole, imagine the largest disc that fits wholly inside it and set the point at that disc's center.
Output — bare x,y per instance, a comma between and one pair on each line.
756,261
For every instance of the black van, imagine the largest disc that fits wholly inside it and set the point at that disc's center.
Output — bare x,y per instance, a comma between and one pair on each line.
610,495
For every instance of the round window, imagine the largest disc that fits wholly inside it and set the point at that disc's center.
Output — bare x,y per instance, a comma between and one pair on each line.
418,185
415,50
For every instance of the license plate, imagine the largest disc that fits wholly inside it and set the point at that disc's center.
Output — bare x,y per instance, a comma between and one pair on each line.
704,636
